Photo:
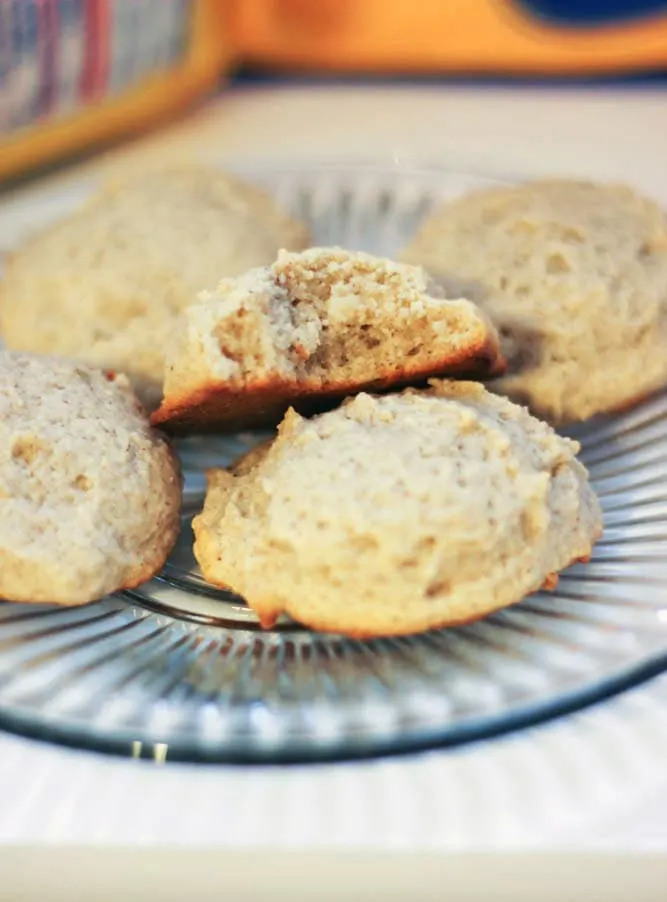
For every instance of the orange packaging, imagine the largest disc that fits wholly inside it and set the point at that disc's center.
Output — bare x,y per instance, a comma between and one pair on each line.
541,37
77,72
74,73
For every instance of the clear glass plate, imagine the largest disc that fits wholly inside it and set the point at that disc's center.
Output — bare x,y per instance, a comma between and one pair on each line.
182,669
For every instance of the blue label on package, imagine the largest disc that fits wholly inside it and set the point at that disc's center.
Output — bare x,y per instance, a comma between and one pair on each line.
582,13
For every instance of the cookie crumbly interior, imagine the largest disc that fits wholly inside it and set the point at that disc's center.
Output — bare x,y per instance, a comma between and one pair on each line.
106,284
323,315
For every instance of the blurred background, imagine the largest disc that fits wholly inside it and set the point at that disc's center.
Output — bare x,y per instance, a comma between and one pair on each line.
518,85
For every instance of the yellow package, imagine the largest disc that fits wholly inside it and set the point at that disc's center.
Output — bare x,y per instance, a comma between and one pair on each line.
77,72
542,37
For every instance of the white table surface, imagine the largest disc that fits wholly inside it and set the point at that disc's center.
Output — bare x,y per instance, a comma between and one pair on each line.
55,795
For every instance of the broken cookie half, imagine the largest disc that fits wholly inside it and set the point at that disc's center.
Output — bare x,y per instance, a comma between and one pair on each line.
311,328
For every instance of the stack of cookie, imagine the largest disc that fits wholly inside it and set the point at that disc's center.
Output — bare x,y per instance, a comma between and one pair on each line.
391,500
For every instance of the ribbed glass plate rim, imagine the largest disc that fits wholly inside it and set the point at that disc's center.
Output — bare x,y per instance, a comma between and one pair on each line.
633,501
123,742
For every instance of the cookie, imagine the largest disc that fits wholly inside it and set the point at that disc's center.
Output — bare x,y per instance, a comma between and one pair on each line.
90,493
574,275
310,329
105,285
399,513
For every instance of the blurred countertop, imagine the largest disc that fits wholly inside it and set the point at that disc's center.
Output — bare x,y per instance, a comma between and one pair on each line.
614,132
